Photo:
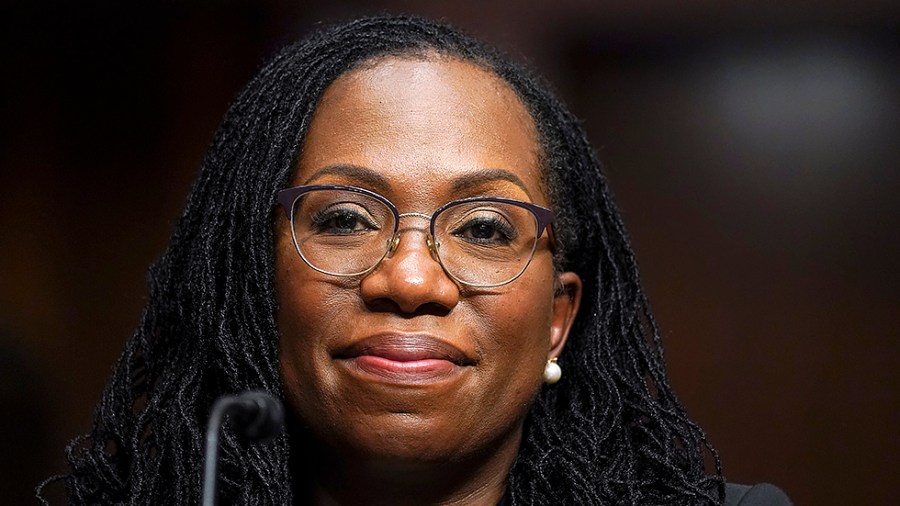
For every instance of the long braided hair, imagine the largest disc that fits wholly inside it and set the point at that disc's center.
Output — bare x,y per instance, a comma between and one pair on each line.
611,433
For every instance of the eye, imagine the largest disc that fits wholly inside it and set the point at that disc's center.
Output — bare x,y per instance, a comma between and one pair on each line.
488,229
343,220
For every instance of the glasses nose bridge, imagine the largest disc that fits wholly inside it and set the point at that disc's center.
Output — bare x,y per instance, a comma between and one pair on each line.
429,237
417,215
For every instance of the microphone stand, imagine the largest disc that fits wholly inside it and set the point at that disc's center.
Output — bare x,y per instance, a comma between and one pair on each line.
258,416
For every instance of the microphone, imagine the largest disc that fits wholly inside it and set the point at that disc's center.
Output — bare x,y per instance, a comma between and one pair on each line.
255,415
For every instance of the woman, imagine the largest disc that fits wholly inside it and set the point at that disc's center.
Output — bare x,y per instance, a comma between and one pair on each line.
444,249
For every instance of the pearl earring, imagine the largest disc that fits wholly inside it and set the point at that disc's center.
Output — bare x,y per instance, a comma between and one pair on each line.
552,372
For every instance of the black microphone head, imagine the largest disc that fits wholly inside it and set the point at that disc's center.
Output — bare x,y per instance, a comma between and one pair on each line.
257,416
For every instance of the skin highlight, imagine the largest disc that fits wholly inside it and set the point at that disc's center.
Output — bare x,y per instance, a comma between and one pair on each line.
422,132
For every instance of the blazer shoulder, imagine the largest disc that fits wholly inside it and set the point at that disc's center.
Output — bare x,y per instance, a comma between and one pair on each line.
762,494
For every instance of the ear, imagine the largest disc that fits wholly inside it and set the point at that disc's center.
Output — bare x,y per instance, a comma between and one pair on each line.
565,307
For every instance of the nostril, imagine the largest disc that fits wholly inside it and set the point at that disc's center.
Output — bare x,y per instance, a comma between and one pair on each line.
391,305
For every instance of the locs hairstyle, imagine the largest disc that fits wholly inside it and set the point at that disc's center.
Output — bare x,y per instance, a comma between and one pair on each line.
611,433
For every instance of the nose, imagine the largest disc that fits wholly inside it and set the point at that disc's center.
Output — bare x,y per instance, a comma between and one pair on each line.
410,280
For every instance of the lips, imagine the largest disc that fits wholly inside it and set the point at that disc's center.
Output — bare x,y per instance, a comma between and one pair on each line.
404,358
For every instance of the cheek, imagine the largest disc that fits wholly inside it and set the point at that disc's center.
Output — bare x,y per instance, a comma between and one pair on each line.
304,300
522,319
294,358
517,337
301,316
292,296
305,322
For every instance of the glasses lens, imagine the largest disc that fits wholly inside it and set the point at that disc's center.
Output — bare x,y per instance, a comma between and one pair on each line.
342,232
485,243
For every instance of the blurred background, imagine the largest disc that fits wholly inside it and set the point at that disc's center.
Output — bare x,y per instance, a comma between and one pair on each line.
752,148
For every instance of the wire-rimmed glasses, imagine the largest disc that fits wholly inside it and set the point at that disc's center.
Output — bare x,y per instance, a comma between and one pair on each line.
347,231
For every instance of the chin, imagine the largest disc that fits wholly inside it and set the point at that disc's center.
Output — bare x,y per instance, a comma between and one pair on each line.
404,438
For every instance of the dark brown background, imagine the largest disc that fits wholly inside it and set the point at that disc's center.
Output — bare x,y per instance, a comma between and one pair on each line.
754,151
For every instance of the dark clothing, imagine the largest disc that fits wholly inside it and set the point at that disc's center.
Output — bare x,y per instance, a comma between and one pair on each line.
762,494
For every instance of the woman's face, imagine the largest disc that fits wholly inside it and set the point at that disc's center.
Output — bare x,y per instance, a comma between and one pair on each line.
404,363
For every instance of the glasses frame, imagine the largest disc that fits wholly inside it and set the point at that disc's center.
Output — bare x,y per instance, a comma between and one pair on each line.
288,198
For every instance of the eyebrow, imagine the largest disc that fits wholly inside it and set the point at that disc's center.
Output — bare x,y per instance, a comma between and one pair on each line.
376,182
472,181
372,179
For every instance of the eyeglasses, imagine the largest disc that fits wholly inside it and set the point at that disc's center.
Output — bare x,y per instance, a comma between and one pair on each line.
347,231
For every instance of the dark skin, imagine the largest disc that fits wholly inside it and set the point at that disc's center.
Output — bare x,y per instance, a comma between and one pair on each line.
421,132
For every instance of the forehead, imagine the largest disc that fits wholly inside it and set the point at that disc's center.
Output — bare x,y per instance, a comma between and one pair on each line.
424,126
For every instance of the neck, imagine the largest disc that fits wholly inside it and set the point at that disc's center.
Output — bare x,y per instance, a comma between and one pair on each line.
325,477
